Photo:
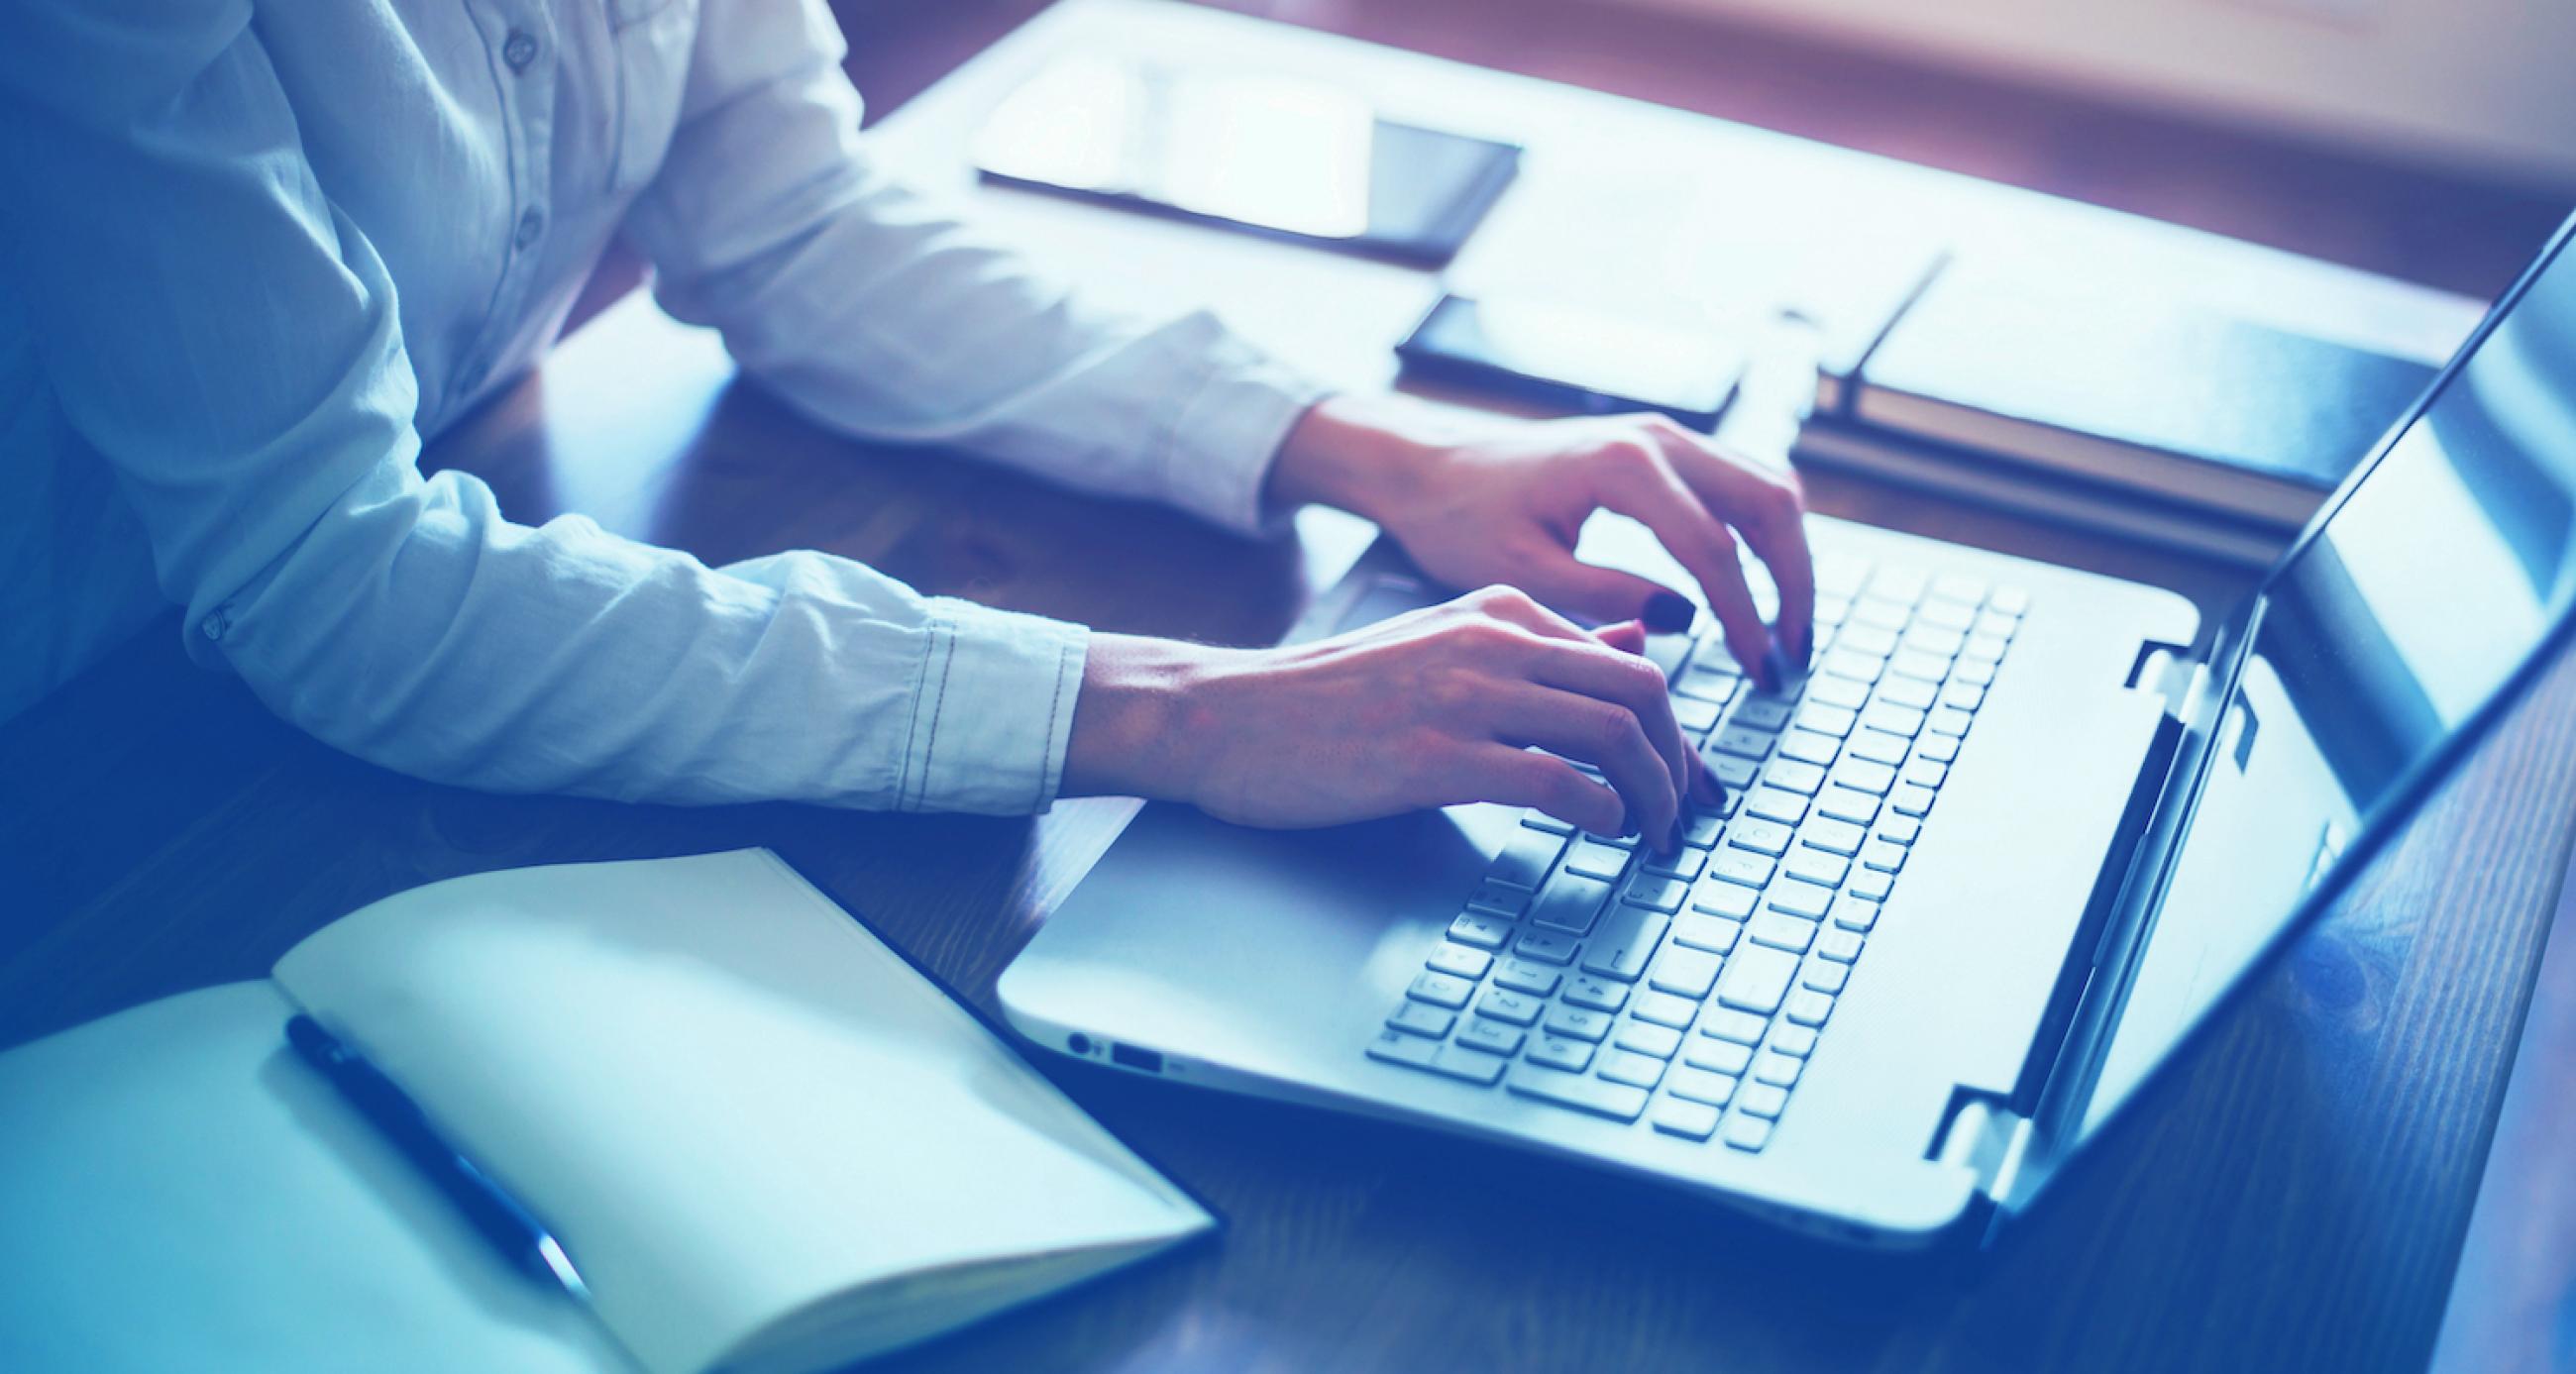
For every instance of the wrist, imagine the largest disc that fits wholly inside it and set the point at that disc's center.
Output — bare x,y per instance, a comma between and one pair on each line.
1373,456
1140,724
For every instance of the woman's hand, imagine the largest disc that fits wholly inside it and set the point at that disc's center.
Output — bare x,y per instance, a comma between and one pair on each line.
1478,502
1428,709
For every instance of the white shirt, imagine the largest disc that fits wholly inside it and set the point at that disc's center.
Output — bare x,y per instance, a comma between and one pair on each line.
256,252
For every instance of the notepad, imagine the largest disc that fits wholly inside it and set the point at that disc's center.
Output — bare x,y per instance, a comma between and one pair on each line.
766,1140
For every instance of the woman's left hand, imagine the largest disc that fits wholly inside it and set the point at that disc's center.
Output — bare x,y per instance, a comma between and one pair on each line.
1477,503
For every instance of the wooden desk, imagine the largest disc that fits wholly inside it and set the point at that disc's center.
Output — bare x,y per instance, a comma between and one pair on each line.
2294,1199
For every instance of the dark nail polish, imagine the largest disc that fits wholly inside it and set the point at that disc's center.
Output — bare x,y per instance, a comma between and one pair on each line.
1668,613
1628,827
1807,651
1673,842
1775,668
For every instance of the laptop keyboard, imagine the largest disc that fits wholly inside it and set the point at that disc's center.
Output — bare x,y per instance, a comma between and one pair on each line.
1589,973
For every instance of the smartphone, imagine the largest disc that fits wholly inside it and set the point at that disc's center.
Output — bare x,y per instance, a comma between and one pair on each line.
1569,358
1278,156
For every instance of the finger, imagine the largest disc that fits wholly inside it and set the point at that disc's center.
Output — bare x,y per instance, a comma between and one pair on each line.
1769,511
1579,661
1597,670
1606,735
1644,487
1520,777
1628,636
1560,579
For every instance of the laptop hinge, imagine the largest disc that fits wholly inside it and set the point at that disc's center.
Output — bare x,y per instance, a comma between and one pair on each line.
1986,1137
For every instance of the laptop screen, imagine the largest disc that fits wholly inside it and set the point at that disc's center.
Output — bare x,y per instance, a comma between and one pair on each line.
2442,571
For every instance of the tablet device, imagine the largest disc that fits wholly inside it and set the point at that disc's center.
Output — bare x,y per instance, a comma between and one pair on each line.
1273,155
1569,358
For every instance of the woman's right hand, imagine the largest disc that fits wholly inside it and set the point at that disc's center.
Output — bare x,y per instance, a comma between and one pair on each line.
1433,708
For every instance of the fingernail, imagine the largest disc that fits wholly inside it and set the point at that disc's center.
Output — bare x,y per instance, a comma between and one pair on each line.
1673,841
1628,826
1669,613
1775,667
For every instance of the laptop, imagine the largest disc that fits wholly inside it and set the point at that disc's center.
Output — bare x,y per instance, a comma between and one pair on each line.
1981,872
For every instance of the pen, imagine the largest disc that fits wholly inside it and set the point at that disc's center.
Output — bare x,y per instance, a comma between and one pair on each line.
499,1216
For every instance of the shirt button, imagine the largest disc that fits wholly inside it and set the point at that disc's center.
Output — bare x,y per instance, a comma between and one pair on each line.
216,624
531,224
519,49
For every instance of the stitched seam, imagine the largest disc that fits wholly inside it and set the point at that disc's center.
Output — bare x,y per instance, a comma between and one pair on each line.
938,708
911,725
1046,744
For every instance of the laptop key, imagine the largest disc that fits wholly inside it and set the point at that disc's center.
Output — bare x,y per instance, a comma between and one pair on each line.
1540,820
1761,1099
1949,612
1625,942
1948,720
1760,836
1481,929
1814,865
1723,1057
1575,1023
1799,898
1847,804
1461,1061
1657,893
1694,715
1558,1052
1683,863
1525,859
1774,804
1493,1037
1797,1040
1742,743
1899,830
1507,902
1440,989
1689,1120
1876,747
1808,1007
1598,994
1718,897
1460,960
1910,800
1600,1097
1756,978
1701,831
1522,975
1630,1067
1685,972
1764,713
1807,746
1797,777
1592,858
1546,946
1569,902
1905,721
1740,865
1861,775
1643,1037
1841,946
1778,1070
1927,773
1396,1047
1885,857
1870,885
1740,1027
1827,719
1983,648
1699,930
1510,1008
1938,748
1833,836
1853,913
1736,773
1915,673
1665,1009
1781,932
1748,1133
1840,693
1421,1018
1825,976
1974,673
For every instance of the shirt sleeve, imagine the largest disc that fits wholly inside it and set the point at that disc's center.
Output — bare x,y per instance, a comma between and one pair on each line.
878,312
227,340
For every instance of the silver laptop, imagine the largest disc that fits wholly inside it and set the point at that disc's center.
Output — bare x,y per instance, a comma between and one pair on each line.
1979,873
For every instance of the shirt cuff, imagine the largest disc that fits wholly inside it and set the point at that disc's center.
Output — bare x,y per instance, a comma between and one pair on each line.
1217,454
995,711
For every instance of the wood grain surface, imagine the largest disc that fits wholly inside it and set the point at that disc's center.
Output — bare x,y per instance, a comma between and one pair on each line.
2294,1198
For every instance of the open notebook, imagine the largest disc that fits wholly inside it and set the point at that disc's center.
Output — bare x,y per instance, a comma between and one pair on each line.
767,1142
